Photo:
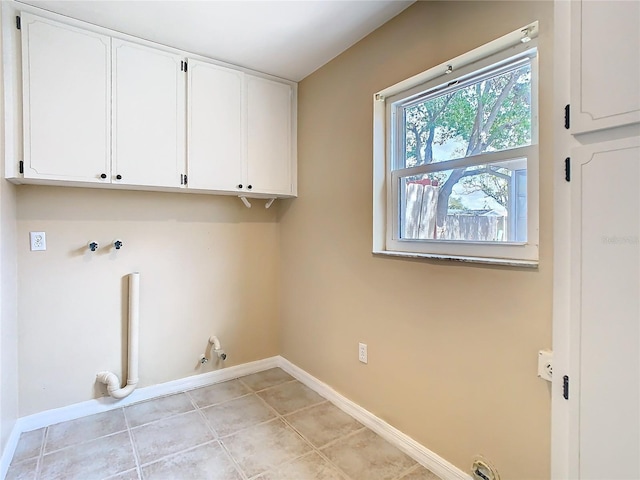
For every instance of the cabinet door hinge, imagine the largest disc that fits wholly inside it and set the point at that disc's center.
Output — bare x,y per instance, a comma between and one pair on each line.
18,24
183,65
21,166
567,169
565,387
185,179
567,116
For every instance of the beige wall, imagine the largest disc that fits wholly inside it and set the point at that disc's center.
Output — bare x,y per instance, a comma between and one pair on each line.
452,348
8,313
208,266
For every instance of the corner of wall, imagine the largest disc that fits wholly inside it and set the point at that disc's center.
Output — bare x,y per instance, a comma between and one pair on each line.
8,293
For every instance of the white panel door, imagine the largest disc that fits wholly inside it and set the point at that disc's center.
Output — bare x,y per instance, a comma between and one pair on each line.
66,110
149,124
215,148
605,64
269,151
605,311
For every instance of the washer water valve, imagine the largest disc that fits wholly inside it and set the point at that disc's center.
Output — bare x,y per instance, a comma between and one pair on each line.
93,246
213,340
203,359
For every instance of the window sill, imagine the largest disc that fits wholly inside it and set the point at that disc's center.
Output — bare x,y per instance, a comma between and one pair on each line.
506,262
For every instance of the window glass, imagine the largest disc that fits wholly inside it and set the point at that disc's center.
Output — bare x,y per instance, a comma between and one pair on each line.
469,117
479,203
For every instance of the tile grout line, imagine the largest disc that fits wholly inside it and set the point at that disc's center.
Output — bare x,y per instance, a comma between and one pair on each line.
305,439
233,460
40,461
278,416
320,453
317,451
216,436
308,407
133,443
408,471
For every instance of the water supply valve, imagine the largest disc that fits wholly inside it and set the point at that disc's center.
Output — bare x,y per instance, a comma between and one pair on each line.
216,347
93,246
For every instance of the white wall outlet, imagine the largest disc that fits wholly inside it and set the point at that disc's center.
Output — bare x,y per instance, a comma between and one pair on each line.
362,352
38,241
545,365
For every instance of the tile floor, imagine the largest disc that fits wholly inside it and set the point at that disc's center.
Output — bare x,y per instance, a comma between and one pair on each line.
266,426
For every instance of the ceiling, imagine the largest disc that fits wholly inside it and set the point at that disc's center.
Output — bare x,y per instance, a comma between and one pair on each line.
289,39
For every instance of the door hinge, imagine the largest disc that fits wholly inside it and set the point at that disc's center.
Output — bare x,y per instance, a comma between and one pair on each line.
183,65
18,24
183,179
21,166
567,116
565,387
567,169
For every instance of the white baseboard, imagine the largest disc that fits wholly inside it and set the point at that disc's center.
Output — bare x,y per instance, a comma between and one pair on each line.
408,445
415,450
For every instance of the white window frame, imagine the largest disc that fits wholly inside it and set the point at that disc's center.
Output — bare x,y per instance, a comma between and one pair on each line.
386,180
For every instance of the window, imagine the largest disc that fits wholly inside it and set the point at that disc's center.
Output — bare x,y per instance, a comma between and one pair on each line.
457,150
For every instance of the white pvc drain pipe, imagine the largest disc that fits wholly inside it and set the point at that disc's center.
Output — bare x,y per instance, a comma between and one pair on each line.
111,379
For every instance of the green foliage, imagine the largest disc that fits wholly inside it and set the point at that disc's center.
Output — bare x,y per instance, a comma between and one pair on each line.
491,115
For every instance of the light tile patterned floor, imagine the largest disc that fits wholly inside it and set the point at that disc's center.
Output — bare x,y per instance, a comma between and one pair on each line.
266,426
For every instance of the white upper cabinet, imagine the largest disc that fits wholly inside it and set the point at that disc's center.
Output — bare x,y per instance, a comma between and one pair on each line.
66,75
215,134
100,109
605,64
270,152
148,116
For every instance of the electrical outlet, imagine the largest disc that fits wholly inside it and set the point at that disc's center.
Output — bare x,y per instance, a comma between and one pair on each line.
545,365
38,241
362,352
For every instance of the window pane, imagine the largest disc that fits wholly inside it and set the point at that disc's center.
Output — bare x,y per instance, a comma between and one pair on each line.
490,115
481,203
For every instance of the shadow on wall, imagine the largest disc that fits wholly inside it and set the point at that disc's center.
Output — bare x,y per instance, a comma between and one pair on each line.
83,204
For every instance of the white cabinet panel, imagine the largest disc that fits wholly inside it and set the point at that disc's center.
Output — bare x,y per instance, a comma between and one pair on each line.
269,136
605,318
66,90
605,64
148,116
215,127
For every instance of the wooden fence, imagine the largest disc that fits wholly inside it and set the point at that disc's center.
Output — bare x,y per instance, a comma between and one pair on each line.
421,203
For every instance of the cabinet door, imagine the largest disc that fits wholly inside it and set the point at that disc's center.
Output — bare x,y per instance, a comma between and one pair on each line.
66,75
148,116
605,64
605,311
214,127
269,138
